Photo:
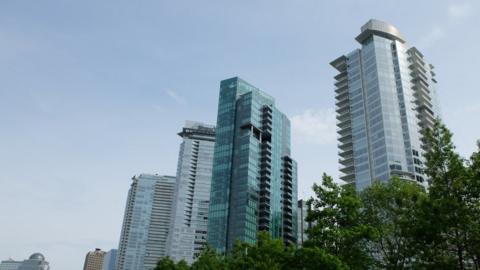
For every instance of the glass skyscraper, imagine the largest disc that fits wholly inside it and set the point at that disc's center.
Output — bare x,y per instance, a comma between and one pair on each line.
146,222
385,97
109,260
254,178
302,223
188,232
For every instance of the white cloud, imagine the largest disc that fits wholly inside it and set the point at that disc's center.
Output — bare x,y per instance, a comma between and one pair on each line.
314,126
176,97
459,10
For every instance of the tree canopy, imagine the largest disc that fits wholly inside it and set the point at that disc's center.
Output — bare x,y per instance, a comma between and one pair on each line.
389,225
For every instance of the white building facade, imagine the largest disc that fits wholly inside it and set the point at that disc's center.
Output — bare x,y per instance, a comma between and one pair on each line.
146,222
109,260
188,232
385,98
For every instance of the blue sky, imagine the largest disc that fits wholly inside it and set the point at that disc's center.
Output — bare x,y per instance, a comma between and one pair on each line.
93,92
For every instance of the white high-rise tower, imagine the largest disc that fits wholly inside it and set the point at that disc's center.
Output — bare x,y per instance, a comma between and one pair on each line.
188,233
146,222
385,97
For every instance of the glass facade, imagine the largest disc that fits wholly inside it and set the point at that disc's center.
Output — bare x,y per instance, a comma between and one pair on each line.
188,232
303,224
385,95
146,222
253,179
10,265
109,260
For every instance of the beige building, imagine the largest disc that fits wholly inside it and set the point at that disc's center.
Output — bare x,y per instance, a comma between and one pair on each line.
94,260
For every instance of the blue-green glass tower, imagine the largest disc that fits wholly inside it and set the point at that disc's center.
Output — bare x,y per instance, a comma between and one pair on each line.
254,178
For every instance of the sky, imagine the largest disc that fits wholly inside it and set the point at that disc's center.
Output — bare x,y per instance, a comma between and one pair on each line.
94,92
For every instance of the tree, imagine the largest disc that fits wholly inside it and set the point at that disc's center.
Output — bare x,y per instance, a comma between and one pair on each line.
266,254
390,209
339,229
473,204
315,258
446,215
166,263
209,260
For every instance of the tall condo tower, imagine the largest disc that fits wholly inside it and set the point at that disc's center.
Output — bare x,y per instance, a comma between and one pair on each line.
254,182
94,260
302,223
109,260
146,222
385,97
188,232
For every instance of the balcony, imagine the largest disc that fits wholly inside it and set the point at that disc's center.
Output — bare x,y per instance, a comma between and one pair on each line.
342,83
344,131
345,103
348,177
345,123
287,197
287,207
345,138
264,227
264,219
342,96
343,117
265,193
346,153
287,218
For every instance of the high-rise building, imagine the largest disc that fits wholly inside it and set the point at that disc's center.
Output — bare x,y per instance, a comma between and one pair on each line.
302,222
109,260
254,178
188,232
146,222
10,264
36,261
385,97
94,260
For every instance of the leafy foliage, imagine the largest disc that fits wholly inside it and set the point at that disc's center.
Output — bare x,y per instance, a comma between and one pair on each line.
339,229
394,225
391,211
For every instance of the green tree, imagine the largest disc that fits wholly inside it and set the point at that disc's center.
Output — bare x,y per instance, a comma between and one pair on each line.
390,209
166,263
339,230
182,265
266,254
473,203
315,258
446,214
209,260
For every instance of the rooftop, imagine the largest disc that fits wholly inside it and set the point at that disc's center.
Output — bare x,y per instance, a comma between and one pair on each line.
379,28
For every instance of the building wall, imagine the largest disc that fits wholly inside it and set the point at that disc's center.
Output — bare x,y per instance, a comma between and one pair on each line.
35,262
146,222
303,224
109,260
385,98
94,260
251,188
192,192
10,265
